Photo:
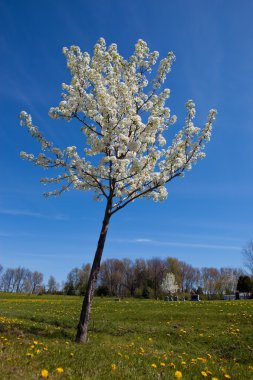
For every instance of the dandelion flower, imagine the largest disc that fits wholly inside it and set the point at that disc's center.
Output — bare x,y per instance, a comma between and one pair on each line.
178,375
203,373
227,376
113,367
153,365
59,370
162,364
44,373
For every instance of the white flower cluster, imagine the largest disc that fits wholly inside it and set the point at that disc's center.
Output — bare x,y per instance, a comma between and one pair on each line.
169,284
124,119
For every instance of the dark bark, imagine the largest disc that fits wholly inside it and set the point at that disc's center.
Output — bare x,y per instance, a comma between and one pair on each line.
82,328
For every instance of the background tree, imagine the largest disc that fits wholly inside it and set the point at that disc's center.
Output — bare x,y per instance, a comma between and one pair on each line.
140,275
169,285
77,280
156,269
129,278
34,282
228,280
1,272
52,285
245,284
210,278
248,256
14,279
111,275
7,280
73,282
124,119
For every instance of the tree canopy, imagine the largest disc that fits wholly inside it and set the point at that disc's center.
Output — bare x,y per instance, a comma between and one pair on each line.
124,120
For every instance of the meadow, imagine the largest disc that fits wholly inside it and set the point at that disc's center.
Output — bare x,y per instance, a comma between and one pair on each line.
130,339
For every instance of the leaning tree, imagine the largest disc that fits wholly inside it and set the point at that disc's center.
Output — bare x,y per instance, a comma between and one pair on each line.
124,121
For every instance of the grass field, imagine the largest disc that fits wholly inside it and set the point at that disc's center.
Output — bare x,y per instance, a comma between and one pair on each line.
130,339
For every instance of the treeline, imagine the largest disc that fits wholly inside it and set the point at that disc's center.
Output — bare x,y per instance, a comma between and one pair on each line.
143,278
127,278
22,280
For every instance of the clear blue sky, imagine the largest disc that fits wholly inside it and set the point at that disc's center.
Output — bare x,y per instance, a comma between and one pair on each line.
207,218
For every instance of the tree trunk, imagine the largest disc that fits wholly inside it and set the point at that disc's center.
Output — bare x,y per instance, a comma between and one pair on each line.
82,328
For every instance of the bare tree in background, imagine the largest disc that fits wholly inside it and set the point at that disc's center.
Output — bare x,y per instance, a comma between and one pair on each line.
248,256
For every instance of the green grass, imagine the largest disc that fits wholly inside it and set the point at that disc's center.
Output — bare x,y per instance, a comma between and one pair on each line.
144,339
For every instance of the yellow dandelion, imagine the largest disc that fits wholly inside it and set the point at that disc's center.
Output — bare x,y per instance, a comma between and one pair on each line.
162,364
71,354
44,373
37,351
203,360
183,362
59,370
172,365
203,373
35,342
113,367
153,365
215,378
227,376
29,354
178,375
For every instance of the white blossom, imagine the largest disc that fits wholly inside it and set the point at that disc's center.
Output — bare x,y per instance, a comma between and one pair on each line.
124,119
169,284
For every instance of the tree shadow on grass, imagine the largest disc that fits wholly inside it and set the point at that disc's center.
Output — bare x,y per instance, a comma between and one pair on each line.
46,329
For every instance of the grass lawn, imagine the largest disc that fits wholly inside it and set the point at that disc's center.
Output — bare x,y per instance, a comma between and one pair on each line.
130,339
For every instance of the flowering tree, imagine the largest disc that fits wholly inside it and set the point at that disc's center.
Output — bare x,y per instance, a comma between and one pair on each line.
124,120
169,284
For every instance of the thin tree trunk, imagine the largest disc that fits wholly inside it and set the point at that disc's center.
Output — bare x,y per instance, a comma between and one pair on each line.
82,328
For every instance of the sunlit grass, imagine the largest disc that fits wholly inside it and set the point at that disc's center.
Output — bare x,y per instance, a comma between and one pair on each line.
130,339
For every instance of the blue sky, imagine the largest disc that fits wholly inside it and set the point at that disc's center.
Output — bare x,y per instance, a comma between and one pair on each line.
207,218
